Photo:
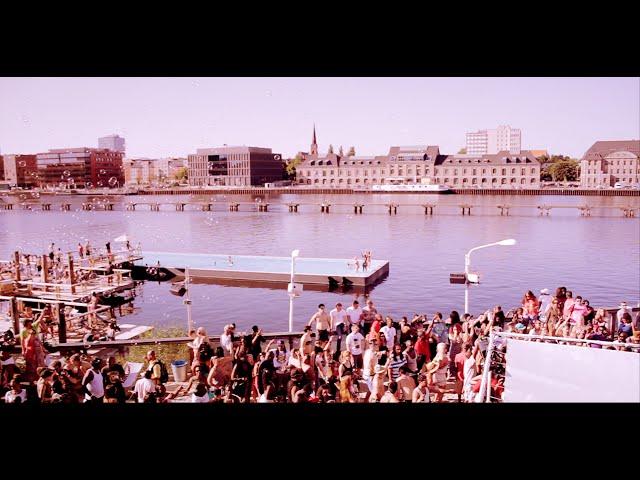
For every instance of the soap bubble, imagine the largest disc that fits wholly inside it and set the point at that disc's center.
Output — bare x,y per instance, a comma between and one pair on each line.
23,196
35,194
113,181
22,163
66,173
103,172
88,185
100,184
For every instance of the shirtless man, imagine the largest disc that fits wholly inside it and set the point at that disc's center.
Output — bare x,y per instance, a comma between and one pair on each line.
323,323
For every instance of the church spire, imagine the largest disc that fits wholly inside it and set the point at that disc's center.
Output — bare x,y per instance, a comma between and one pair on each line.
314,142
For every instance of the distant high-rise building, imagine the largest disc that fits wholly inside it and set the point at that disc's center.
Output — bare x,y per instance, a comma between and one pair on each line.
112,142
492,141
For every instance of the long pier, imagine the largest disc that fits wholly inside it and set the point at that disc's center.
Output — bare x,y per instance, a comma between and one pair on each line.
357,208
342,191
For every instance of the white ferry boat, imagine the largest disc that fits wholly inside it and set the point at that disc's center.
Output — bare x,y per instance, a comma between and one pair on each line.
431,188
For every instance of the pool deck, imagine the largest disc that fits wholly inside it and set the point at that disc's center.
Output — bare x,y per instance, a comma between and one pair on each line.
313,271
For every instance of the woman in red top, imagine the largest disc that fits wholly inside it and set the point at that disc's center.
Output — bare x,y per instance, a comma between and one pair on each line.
422,349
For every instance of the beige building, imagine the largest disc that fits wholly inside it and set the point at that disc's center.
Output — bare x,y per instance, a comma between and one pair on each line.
421,164
608,162
142,171
234,166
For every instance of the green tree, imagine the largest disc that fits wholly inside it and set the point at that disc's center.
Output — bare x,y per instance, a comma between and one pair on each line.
547,166
291,165
330,150
352,152
564,170
462,151
182,174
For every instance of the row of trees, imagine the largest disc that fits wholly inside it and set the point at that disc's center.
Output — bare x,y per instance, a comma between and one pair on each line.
559,168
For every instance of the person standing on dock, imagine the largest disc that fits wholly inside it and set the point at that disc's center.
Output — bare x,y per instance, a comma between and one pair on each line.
323,323
80,250
354,313
51,253
338,323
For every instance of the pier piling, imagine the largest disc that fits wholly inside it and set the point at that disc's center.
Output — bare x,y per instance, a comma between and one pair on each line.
466,210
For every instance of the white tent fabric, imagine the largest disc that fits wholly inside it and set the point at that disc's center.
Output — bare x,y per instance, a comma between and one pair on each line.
547,372
122,238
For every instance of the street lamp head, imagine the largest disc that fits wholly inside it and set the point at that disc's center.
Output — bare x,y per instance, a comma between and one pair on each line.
295,253
509,241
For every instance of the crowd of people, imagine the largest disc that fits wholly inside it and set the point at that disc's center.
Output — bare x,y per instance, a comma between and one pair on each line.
359,355
345,355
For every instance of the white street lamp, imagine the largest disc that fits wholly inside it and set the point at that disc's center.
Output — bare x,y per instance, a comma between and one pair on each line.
291,289
467,265
187,301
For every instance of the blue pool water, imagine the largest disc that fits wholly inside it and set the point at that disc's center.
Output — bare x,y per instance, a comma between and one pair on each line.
244,263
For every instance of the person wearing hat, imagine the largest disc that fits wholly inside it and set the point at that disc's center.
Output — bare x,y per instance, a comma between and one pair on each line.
545,303
93,383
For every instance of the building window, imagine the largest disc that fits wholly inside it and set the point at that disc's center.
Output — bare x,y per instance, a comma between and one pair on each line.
523,171
513,171
504,171
522,181
455,180
503,181
533,180
324,173
533,171
493,170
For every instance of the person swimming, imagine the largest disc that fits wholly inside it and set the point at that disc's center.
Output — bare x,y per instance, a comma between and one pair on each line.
230,261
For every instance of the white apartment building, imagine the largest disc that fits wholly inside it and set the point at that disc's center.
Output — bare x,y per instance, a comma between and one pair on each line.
492,141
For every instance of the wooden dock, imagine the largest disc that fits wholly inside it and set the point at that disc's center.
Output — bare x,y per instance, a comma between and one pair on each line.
357,208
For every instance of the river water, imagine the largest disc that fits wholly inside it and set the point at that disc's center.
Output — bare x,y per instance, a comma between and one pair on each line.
597,257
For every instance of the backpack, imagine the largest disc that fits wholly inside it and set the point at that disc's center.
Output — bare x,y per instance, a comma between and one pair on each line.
164,374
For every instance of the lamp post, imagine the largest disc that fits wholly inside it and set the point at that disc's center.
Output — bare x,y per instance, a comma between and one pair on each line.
467,265
187,301
294,255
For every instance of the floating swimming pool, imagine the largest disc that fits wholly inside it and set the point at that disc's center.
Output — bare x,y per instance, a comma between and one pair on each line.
246,267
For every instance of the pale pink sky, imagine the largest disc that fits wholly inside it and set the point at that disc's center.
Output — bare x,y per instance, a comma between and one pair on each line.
162,117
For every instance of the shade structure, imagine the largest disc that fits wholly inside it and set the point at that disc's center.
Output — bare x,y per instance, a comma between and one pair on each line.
122,238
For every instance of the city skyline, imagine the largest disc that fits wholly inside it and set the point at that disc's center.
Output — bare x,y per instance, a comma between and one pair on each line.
165,117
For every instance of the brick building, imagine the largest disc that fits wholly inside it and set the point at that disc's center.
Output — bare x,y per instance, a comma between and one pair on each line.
81,167
20,170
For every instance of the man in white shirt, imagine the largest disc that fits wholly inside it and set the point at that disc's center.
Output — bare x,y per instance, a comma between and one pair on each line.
389,332
545,303
226,339
623,309
369,363
355,344
144,386
338,319
354,312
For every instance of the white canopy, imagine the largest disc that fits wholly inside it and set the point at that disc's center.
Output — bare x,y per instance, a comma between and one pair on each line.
122,238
